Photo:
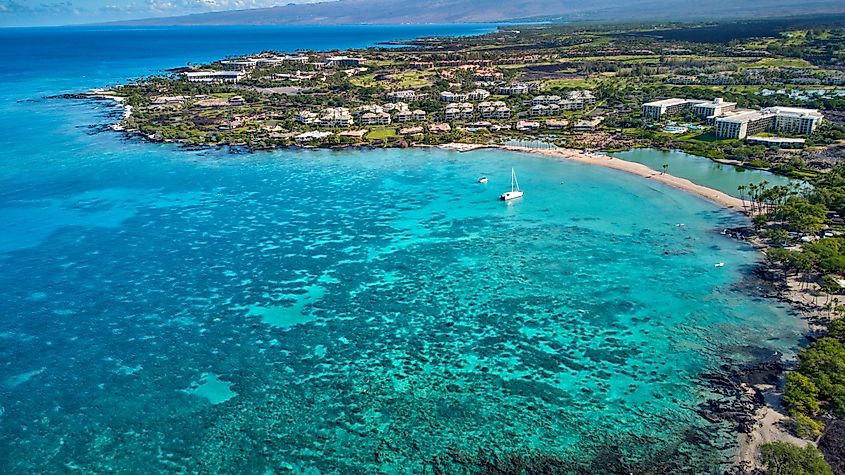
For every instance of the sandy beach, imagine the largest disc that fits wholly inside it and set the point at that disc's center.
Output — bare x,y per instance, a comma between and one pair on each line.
715,196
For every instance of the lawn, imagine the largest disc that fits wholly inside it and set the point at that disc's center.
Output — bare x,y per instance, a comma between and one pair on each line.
382,134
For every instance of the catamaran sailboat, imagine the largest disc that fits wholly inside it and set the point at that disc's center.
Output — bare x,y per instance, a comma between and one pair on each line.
515,191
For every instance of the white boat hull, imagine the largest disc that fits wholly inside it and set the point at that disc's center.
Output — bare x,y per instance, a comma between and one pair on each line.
510,195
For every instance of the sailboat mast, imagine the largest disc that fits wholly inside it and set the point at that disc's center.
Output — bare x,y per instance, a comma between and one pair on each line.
513,178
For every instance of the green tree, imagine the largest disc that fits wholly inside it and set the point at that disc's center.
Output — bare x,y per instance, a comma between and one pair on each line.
782,458
800,215
800,394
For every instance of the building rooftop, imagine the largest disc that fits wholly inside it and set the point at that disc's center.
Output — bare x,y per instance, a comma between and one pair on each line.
666,102
717,102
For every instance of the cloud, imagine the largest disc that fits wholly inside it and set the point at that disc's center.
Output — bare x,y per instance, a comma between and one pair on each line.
16,7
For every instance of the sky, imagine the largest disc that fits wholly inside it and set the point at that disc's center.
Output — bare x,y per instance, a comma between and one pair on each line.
66,12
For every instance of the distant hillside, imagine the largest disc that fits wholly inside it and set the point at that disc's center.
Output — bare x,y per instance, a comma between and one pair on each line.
490,11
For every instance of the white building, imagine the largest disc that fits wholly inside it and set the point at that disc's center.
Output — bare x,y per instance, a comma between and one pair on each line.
463,110
478,95
336,117
583,96
514,89
657,109
545,110
494,110
213,76
712,109
406,95
343,62
307,117
375,118
447,96
741,124
544,100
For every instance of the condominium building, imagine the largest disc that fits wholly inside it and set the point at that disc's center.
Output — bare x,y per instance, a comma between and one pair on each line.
583,96
514,89
307,117
494,110
712,109
343,62
336,117
657,109
463,110
447,96
545,100
478,95
741,124
213,76
545,110
406,95
375,118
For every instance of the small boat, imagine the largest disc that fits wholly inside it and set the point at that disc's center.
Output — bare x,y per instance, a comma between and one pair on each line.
515,191
482,179
720,264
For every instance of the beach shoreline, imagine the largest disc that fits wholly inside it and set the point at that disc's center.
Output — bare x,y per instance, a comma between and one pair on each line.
715,196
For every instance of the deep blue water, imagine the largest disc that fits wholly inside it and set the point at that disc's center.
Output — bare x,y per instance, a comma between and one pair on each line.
367,311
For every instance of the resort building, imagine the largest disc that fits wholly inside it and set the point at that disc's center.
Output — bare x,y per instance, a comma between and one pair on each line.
213,76
439,128
781,142
368,109
494,110
307,118
353,134
570,105
309,136
411,131
375,118
404,116
406,95
543,110
583,96
237,101
589,124
527,125
556,124
514,89
712,109
741,124
657,109
447,96
336,117
544,100
343,62
396,107
238,64
419,115
478,95
463,110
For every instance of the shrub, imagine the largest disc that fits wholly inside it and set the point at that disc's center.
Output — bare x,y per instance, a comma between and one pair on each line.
806,427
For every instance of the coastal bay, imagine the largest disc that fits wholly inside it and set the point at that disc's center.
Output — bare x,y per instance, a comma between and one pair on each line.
358,310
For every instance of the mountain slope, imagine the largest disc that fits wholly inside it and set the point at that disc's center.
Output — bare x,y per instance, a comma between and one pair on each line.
470,11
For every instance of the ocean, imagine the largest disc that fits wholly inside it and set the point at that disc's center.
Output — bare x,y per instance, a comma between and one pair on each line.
357,311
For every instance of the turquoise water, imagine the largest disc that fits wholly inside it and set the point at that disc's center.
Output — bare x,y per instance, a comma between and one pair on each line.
702,170
367,311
